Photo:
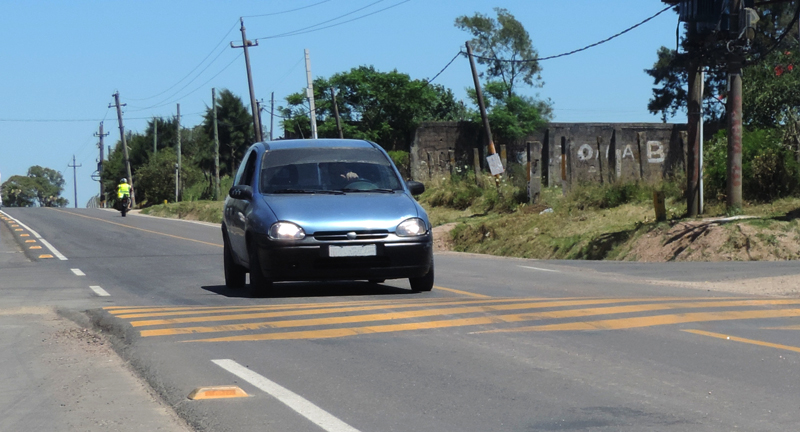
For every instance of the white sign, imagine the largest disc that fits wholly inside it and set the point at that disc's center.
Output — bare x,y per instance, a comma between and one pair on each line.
495,166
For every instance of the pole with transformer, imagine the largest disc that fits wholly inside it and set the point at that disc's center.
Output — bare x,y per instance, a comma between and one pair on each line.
253,106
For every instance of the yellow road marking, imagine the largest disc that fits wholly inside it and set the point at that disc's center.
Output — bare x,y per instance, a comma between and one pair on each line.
410,314
30,241
140,229
466,293
45,256
24,235
35,247
216,392
18,229
558,314
749,341
657,320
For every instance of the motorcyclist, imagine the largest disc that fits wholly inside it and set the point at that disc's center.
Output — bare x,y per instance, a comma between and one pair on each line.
123,189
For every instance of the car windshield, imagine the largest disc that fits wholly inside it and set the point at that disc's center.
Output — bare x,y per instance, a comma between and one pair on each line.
321,170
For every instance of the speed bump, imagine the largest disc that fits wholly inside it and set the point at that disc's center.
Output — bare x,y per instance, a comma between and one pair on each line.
217,392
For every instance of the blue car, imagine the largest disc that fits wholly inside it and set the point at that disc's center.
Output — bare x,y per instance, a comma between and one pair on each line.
325,209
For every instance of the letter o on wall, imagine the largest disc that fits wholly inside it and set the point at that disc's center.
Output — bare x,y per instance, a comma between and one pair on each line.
585,152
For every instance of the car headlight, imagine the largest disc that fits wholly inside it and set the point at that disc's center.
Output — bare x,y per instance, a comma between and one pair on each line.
286,231
411,227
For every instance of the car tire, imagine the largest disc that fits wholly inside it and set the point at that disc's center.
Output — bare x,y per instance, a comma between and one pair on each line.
234,273
423,283
260,285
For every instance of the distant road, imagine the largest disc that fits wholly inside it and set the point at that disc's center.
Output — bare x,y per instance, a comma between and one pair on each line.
500,344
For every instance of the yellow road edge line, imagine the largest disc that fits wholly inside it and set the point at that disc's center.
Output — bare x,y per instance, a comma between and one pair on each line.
140,229
466,293
743,340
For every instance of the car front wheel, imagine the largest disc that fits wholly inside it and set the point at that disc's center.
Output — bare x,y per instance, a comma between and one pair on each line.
234,273
423,283
260,285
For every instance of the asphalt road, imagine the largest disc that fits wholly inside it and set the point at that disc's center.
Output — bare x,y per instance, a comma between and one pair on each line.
498,345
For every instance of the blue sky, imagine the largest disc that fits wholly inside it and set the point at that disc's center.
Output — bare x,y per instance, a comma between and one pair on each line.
63,61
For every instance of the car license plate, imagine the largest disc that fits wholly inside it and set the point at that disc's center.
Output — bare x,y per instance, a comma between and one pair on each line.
352,251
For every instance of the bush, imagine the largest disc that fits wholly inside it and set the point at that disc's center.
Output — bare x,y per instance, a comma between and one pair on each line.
769,168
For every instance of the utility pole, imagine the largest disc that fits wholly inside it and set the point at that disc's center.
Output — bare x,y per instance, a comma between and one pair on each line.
482,107
271,115
245,44
178,193
261,138
124,146
155,135
695,100
734,108
75,179
216,143
336,113
312,111
100,163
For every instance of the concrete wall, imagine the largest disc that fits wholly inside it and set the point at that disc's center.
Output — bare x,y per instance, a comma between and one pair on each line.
594,152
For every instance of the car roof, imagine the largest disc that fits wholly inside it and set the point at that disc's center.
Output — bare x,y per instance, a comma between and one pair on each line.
317,143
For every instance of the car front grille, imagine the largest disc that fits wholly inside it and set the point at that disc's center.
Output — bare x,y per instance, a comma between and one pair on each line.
343,235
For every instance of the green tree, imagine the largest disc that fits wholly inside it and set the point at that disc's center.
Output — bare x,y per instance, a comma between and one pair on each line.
41,187
504,47
384,107
235,128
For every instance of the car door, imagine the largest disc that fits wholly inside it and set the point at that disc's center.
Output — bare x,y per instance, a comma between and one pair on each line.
237,209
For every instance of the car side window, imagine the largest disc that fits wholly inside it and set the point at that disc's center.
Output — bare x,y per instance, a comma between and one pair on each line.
246,170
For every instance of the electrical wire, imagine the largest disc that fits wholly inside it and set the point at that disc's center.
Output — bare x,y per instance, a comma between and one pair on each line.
312,28
443,69
577,50
195,68
286,11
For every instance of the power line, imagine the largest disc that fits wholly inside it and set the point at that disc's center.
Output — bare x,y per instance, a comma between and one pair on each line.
312,28
286,11
573,51
195,68
443,69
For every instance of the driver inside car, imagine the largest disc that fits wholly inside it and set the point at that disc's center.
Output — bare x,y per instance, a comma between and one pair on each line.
341,175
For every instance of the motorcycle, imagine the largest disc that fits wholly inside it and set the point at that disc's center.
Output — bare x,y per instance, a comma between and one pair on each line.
125,204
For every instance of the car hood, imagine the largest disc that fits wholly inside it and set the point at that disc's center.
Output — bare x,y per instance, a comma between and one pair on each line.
350,212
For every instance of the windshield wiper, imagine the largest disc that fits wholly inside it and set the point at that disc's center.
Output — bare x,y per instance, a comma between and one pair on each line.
368,190
307,191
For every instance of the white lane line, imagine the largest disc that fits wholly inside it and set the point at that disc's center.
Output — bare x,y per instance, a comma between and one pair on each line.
99,291
35,234
317,415
540,269
78,272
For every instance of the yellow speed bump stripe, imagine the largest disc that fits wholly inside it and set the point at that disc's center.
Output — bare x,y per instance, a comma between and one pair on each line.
24,235
42,256
217,392
35,247
30,241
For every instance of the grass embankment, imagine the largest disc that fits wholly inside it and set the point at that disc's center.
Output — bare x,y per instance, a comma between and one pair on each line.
614,222
206,211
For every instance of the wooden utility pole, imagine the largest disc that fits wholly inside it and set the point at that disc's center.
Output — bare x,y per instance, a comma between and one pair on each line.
178,189
694,103
734,185
100,162
271,114
254,108
124,146
75,179
312,111
155,135
216,143
261,138
336,113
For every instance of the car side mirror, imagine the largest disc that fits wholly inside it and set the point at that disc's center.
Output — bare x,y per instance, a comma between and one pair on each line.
415,187
243,192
